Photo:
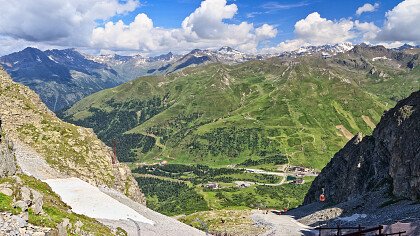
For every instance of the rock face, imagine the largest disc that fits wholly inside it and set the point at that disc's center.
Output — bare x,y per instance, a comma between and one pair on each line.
389,160
72,150
7,158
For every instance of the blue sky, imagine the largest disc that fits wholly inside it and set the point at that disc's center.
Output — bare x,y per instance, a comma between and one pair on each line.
158,26
170,14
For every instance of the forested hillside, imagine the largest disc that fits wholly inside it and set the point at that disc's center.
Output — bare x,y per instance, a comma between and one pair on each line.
303,108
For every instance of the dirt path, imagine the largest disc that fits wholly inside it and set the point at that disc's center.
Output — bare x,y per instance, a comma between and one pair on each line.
263,172
285,174
157,138
280,225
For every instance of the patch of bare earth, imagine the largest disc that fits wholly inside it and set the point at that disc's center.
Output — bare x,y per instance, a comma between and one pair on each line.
368,121
344,132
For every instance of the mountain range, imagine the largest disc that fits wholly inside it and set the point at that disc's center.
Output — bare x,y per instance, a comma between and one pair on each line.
63,77
303,107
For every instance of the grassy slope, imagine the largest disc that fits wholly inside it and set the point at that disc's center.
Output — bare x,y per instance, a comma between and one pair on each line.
70,149
219,115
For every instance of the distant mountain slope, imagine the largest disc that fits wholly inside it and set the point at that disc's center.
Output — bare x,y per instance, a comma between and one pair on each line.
63,77
71,150
135,66
306,108
389,158
131,67
60,77
224,55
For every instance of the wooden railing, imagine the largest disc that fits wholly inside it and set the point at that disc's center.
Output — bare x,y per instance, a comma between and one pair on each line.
360,231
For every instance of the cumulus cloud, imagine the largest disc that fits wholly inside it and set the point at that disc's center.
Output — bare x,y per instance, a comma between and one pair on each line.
368,30
367,7
205,27
401,23
266,31
317,30
54,21
88,25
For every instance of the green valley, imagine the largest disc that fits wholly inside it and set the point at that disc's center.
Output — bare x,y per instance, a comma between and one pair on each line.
304,108
225,137
177,189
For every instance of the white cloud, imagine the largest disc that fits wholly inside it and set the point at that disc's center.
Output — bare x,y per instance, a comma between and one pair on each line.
274,6
316,30
402,23
368,30
367,7
207,21
394,44
204,28
61,22
266,31
74,23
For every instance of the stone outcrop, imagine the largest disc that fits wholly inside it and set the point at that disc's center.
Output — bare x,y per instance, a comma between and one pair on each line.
16,225
72,150
388,161
7,158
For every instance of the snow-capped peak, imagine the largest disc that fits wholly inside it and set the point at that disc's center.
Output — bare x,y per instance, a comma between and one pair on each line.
327,49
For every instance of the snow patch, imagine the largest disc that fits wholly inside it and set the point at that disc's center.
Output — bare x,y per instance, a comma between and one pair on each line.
353,217
52,59
88,200
380,58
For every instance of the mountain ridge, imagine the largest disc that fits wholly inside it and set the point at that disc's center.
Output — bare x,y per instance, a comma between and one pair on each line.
63,77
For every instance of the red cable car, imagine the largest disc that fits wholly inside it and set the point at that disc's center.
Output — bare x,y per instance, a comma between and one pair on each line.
322,196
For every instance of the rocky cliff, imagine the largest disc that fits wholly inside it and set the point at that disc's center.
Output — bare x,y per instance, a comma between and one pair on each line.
72,150
388,161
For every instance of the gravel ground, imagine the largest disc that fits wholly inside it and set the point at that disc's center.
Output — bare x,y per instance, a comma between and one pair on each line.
280,225
31,163
369,211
